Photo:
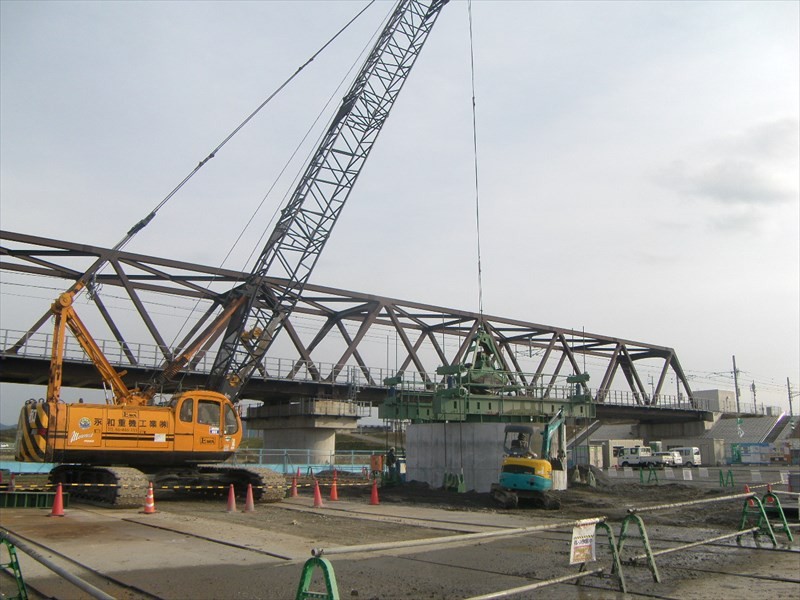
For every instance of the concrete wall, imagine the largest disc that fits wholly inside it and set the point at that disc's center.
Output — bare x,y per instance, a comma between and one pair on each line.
717,400
583,454
432,449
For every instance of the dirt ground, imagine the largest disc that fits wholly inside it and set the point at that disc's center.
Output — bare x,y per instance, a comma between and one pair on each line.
285,532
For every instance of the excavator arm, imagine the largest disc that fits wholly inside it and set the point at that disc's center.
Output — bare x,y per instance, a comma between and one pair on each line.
550,430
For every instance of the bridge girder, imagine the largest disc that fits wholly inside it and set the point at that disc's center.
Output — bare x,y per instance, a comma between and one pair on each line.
329,325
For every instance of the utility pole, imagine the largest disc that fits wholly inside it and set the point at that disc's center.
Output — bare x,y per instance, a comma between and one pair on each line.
736,383
753,389
789,388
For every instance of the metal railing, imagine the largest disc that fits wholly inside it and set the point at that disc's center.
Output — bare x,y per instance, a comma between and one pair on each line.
149,356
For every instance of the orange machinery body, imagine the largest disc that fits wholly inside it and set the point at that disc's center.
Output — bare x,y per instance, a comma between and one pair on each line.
195,427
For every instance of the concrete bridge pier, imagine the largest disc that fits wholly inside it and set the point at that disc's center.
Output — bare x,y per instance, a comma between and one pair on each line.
309,423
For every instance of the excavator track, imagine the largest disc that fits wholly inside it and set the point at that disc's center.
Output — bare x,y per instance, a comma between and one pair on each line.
118,487
268,485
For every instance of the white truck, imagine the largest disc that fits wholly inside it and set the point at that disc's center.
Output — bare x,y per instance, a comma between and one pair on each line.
633,456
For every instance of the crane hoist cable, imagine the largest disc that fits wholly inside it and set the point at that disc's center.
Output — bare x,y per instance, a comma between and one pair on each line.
475,160
86,279
251,219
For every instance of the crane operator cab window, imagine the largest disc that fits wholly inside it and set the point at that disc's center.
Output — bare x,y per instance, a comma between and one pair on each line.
231,422
187,411
208,414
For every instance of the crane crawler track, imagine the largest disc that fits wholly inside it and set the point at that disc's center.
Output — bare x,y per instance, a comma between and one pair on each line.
268,485
118,487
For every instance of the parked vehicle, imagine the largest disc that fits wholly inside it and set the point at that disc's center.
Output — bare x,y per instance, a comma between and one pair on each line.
690,455
670,458
632,456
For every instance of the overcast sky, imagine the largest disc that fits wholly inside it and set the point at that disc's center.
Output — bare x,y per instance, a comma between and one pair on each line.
638,161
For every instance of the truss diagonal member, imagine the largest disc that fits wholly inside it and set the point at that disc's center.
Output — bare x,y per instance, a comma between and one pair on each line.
503,343
608,376
465,343
371,310
411,349
436,347
570,355
305,354
634,382
352,349
544,360
151,327
114,329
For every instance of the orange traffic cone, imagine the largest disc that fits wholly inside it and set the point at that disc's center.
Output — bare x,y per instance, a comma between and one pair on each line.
747,491
770,497
334,491
317,495
231,500
294,488
374,499
249,505
58,503
149,501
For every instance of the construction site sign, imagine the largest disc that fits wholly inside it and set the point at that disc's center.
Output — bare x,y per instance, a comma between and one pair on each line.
582,549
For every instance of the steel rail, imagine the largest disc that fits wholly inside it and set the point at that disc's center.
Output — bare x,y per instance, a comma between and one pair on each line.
452,539
537,585
689,503
694,544
73,579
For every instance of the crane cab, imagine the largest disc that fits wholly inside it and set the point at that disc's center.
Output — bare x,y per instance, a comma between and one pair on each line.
194,427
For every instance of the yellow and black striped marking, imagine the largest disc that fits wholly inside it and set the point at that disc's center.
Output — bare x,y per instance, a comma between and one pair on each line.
34,420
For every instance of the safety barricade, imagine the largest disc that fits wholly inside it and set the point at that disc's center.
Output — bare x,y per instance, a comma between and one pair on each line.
752,505
583,539
726,479
759,508
328,576
13,564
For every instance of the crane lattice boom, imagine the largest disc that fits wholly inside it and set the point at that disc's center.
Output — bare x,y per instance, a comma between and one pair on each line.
305,224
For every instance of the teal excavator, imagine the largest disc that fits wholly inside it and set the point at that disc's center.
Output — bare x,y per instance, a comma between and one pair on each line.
524,474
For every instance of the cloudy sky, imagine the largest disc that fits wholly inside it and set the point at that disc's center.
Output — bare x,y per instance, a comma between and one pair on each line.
638,161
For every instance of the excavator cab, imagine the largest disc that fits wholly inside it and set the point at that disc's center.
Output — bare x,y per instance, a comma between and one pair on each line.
517,441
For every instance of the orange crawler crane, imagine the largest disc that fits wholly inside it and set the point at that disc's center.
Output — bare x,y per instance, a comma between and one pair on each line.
180,443
183,442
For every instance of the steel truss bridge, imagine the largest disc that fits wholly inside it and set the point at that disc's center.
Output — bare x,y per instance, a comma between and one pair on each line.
329,346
